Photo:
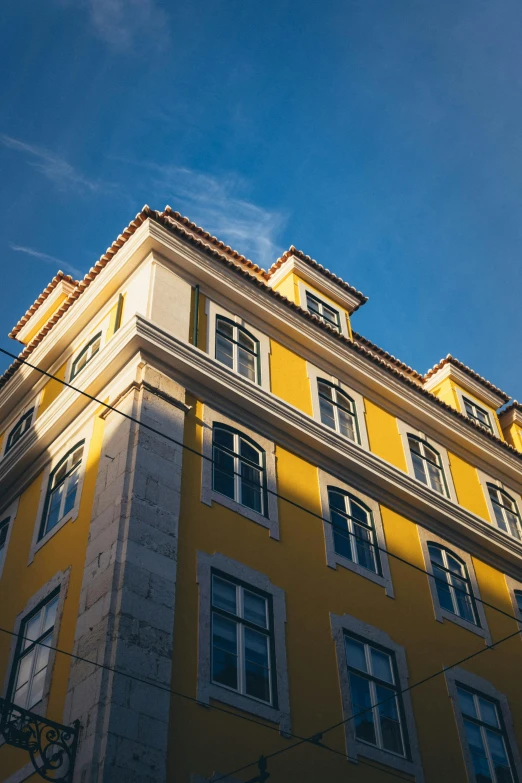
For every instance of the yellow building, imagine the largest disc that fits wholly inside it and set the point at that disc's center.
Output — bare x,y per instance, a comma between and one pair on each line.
237,539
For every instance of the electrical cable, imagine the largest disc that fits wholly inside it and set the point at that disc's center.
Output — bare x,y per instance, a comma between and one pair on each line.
302,508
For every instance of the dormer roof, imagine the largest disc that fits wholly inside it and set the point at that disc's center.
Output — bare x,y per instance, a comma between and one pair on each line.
468,379
318,276
60,287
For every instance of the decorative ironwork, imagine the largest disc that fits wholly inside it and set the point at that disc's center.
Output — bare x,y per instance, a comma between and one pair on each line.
51,746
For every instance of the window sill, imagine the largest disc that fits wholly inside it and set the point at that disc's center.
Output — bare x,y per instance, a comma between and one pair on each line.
69,517
226,696
244,511
338,560
454,618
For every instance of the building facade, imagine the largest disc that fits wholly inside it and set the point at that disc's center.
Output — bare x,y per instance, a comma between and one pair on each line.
233,527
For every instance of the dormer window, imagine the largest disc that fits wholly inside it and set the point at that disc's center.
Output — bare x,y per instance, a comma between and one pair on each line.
477,414
327,314
86,354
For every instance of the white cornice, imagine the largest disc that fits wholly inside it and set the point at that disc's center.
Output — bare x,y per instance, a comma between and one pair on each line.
511,416
281,323
274,419
320,282
466,382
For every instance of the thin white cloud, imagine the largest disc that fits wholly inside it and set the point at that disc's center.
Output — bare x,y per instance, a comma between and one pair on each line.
215,204
29,251
50,165
121,23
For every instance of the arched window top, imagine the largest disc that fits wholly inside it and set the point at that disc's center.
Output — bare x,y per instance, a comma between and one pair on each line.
87,353
237,348
338,410
453,583
62,488
427,464
507,515
239,470
353,529
20,428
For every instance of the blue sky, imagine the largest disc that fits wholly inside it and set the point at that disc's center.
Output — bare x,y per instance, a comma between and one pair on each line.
381,137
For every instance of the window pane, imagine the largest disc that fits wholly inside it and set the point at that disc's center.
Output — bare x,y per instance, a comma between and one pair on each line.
72,486
435,554
225,328
488,712
359,513
60,474
355,654
342,538
465,606
518,599
224,438
365,550
53,515
499,516
389,718
224,651
443,590
381,665
246,364
435,475
336,500
325,390
256,665
330,315
513,524
3,534
478,754
254,608
467,703
312,304
42,653
361,701
32,629
224,351
24,669
223,473
327,413
250,487
246,342
249,452
224,595
418,468
346,424
49,614
36,689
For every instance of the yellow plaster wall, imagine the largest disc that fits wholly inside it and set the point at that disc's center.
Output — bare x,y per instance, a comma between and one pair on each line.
288,287
51,390
383,435
445,391
41,322
288,377
112,318
203,740
65,550
467,486
512,434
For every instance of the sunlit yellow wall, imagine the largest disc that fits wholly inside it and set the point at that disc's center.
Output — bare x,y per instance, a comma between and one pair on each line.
51,390
41,322
113,315
445,391
20,581
288,377
383,435
513,435
297,564
468,487
288,287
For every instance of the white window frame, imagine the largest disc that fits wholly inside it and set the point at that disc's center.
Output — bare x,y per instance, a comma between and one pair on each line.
441,614
303,289
59,581
10,514
213,309
333,559
315,374
210,496
405,430
207,689
461,395
58,450
512,586
476,683
485,479
354,747
86,346
22,442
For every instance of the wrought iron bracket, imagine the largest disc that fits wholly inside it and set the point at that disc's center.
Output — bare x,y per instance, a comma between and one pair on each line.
51,746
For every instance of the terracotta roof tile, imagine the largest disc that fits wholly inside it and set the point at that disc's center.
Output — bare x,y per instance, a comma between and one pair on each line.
360,344
59,276
449,359
293,251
